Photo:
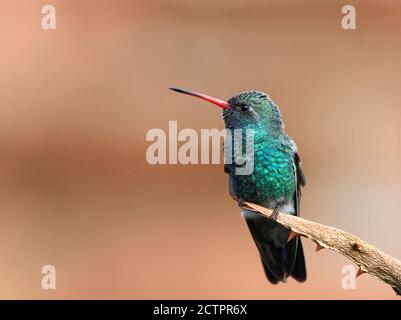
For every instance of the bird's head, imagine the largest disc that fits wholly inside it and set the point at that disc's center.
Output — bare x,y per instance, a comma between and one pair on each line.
248,109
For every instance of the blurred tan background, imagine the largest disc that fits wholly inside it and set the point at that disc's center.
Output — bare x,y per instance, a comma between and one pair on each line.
76,103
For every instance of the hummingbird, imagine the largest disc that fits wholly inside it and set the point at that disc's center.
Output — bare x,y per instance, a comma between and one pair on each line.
275,182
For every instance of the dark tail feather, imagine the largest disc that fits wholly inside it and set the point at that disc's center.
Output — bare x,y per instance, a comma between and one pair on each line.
279,259
299,270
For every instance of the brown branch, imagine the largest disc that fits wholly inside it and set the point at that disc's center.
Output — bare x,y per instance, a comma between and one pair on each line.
369,259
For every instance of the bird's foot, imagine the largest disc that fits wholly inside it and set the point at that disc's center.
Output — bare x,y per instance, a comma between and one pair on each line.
274,214
276,211
241,202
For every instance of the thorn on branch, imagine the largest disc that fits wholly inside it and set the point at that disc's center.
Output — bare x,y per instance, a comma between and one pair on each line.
397,291
319,247
360,272
292,235
356,246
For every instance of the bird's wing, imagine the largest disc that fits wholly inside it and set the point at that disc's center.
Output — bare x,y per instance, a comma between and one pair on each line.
297,259
300,181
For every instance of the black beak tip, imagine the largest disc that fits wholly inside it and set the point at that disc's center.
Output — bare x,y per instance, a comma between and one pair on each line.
217,102
180,90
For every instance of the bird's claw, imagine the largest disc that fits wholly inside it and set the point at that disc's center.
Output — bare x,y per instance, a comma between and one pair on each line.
274,214
241,202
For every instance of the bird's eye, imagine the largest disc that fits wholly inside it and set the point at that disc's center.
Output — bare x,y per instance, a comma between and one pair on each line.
245,108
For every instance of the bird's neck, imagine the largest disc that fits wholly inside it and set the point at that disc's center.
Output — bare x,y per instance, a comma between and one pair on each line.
261,136
261,132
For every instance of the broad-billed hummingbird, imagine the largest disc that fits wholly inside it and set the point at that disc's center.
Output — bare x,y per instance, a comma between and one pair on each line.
275,181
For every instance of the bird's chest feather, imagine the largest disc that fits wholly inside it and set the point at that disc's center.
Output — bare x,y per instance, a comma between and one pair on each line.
272,179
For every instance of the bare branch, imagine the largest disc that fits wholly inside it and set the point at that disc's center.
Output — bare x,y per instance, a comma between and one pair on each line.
369,259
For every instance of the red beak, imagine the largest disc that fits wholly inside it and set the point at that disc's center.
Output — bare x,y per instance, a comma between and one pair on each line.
217,102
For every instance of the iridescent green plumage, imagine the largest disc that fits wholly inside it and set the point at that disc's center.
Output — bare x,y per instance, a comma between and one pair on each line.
274,183
273,175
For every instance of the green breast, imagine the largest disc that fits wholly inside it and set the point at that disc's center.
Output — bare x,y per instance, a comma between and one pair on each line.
273,177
